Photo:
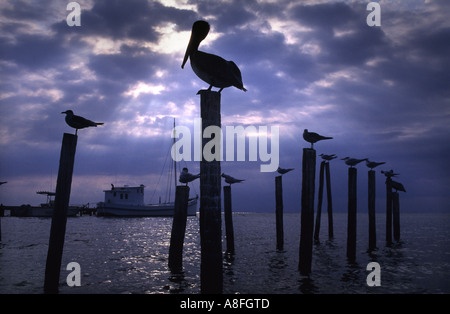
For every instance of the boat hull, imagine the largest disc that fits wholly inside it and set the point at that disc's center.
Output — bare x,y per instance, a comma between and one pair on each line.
160,210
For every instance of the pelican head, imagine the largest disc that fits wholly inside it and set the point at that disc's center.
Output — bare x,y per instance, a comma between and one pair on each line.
200,30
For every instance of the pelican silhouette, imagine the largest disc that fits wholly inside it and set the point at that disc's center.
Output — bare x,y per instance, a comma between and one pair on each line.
212,69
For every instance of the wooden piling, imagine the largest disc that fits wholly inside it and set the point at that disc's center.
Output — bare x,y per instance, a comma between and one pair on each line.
59,219
178,229
279,212
396,215
371,206
307,210
329,201
211,277
388,211
351,224
229,233
319,202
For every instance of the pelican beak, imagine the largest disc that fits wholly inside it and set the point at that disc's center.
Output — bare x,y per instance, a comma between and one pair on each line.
190,48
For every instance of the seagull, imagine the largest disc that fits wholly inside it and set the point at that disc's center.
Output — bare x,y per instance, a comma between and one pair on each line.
352,161
398,186
389,173
212,69
312,137
186,177
283,171
230,180
78,122
373,164
328,157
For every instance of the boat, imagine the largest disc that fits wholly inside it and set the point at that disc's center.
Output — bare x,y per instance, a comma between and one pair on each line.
44,210
128,201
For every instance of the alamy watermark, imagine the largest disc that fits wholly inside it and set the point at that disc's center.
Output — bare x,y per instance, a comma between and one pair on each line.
258,139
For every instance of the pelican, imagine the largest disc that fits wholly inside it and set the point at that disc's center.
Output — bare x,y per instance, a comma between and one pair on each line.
373,164
389,173
283,171
328,157
78,122
230,180
212,69
352,161
186,177
397,186
312,137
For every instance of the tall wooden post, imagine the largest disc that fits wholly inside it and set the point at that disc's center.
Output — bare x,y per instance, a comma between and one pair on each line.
396,215
307,211
388,211
211,277
59,219
351,225
178,229
279,212
228,219
319,202
329,201
372,229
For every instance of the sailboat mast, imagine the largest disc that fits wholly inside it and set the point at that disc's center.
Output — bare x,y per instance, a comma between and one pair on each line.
174,161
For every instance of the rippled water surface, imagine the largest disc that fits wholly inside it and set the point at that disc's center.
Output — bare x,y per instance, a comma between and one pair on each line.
130,256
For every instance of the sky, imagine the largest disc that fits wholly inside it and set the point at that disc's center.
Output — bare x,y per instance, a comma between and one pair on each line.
381,92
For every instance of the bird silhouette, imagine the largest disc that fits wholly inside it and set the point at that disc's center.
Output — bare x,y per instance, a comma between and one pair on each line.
212,69
328,157
312,137
3,182
78,122
186,177
283,171
230,180
389,173
352,161
373,164
397,186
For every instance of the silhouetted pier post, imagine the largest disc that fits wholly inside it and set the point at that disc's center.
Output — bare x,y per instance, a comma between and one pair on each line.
396,215
211,277
388,211
279,212
329,201
319,202
59,219
307,210
178,229
351,225
228,219
372,229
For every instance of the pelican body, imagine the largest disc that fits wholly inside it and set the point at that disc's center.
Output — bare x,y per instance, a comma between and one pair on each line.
212,69
78,122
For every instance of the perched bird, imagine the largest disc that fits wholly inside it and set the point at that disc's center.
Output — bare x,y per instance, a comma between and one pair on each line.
78,122
389,173
212,69
398,186
186,177
373,164
312,137
352,161
283,171
328,157
230,180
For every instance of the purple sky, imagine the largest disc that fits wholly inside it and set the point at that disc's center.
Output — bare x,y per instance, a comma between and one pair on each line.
383,93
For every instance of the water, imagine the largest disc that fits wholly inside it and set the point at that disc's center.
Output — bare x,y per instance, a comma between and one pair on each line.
130,256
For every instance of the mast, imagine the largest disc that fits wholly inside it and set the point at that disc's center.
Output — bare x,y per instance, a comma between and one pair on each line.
174,161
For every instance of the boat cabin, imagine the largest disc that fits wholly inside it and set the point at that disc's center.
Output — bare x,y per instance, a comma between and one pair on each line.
129,195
